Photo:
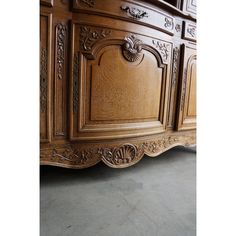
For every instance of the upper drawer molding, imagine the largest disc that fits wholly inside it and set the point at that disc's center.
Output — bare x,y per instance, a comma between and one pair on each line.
129,10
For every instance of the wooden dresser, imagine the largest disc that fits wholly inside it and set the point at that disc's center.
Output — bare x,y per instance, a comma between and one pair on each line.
117,80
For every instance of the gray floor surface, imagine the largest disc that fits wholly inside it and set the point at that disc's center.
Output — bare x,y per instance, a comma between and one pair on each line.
155,197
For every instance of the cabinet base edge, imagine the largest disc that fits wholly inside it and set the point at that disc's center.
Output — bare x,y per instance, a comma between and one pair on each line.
114,154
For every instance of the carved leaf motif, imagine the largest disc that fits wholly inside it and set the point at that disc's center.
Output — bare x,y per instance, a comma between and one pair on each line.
184,89
75,83
89,36
43,80
168,23
175,64
132,48
134,12
162,48
61,30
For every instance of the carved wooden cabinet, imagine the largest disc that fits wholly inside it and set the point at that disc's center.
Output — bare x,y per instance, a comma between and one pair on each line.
117,80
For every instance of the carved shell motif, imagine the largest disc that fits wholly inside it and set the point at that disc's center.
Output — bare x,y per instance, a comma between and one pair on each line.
121,155
132,48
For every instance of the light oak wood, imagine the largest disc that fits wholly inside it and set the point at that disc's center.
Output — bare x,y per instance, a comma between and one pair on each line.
118,80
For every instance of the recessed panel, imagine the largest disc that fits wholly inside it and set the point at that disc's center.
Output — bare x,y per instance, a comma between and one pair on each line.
125,91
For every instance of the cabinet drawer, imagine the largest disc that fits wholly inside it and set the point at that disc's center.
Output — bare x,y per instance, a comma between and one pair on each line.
129,10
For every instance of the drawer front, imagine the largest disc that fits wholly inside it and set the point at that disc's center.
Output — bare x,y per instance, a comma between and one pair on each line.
130,10
119,83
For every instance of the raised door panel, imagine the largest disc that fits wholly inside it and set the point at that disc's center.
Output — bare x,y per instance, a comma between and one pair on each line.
187,100
119,84
45,75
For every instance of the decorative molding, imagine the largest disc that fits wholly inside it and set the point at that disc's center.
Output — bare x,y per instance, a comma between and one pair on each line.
163,48
178,27
76,83
89,3
175,64
116,156
61,34
43,79
132,48
134,12
89,36
168,22
184,89
192,31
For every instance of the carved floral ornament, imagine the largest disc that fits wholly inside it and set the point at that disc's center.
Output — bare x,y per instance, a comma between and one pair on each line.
61,34
43,80
134,12
163,48
132,48
115,156
89,36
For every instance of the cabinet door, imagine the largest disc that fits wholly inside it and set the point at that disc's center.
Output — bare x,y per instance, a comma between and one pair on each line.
120,84
187,100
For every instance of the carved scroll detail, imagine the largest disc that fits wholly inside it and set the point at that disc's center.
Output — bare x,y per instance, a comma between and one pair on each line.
43,80
89,36
192,31
132,48
163,48
168,23
117,156
134,12
89,3
175,64
75,83
61,31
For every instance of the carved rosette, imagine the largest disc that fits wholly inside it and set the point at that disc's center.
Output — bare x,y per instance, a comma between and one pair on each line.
89,36
163,48
177,27
61,31
75,83
133,12
132,48
76,156
43,80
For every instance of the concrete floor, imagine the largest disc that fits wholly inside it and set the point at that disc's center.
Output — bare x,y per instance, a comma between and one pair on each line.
155,197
